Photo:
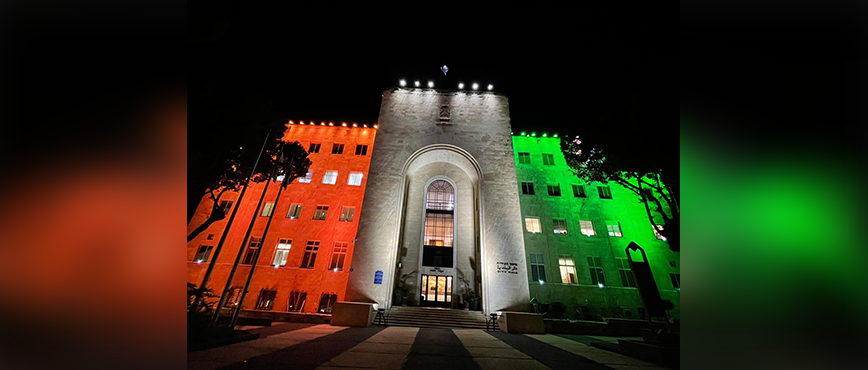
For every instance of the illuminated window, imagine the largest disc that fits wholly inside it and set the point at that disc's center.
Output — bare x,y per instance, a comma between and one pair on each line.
537,267
338,149
331,177
595,265
657,234
548,159
266,299
532,224
626,273
266,209
676,280
439,224
587,228
568,269
579,191
560,225
339,254
294,211
306,179
361,149
524,158
321,212
554,190
296,301
347,214
203,253
327,302
314,148
226,206
355,179
614,229
605,192
282,252
527,188
310,252
252,250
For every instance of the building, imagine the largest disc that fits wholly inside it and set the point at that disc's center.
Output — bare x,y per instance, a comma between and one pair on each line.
305,259
453,203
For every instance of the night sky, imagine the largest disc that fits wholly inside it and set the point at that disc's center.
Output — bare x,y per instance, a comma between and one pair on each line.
605,72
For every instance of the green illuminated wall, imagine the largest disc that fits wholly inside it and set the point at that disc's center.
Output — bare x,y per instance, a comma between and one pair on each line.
624,209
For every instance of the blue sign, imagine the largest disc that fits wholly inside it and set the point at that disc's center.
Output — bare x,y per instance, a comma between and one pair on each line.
378,277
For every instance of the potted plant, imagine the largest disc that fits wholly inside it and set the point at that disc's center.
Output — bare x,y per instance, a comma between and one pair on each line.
473,300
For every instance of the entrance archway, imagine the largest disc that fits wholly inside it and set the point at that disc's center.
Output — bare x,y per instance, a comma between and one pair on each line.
439,246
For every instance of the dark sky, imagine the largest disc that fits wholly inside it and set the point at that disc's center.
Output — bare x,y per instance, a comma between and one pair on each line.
597,70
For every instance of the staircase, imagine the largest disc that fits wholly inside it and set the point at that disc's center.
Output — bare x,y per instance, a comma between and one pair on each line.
429,317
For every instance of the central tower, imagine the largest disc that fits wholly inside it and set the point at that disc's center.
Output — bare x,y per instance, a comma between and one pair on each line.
442,214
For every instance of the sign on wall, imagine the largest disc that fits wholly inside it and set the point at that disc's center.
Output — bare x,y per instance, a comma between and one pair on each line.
378,277
507,268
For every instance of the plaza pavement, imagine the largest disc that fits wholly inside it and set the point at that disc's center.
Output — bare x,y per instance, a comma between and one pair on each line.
308,346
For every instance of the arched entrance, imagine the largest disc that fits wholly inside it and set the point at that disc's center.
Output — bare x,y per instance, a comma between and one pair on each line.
439,241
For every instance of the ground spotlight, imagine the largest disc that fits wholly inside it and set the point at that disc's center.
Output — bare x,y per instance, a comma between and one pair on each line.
475,86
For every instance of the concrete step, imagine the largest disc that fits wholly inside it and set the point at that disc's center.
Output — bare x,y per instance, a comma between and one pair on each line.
436,318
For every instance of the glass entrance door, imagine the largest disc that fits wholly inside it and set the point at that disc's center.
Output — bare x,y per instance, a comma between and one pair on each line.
437,290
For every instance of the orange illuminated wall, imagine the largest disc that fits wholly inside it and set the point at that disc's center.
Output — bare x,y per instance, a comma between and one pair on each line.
293,277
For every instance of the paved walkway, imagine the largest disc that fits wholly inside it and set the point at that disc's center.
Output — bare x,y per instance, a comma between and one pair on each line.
307,346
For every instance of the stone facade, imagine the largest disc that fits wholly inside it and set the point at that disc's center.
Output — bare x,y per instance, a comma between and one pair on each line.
475,140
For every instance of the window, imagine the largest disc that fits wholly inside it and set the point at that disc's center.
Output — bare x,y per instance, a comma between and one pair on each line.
321,212
327,302
524,158
355,179
657,234
439,224
266,299
282,252
331,177
568,270
338,148
226,206
347,214
554,190
266,209
626,273
234,294
306,179
579,191
548,159
203,253
310,254
532,224
596,267
361,149
527,188
252,250
537,267
560,225
587,228
605,192
296,301
294,211
614,229
210,236
672,264
676,280
339,254
314,148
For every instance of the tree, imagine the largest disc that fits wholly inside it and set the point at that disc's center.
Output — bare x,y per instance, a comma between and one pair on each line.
228,144
638,174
